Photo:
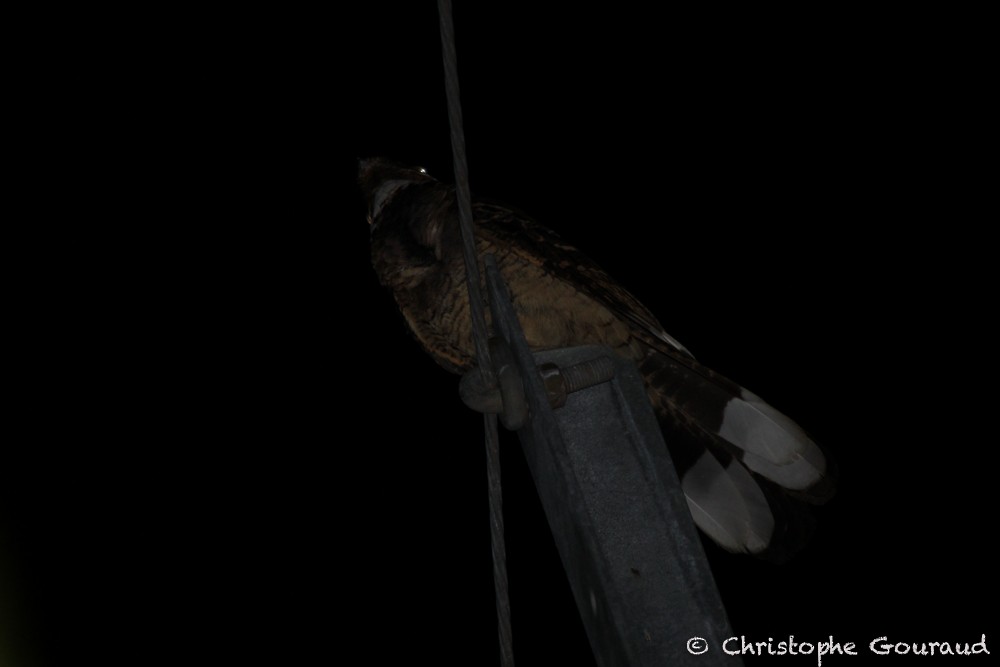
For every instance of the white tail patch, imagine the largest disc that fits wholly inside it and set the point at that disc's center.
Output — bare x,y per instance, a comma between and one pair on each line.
799,475
774,446
728,505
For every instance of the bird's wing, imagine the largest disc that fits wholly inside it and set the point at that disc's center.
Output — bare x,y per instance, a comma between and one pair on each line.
735,422
546,249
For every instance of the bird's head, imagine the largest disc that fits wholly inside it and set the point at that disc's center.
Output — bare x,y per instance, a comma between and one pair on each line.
381,179
411,216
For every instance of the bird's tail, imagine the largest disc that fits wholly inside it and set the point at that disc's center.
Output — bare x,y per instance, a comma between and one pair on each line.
745,468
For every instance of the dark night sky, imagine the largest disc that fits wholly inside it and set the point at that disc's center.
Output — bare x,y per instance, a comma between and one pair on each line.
275,467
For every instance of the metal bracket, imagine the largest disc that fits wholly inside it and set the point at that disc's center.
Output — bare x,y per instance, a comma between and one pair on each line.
507,397
615,506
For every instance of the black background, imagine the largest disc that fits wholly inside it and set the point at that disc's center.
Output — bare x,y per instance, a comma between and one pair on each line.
236,449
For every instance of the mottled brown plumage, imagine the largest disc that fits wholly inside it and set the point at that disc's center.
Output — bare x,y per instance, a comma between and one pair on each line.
562,299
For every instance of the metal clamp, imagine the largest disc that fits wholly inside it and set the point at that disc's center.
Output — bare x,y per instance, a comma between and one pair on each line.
506,399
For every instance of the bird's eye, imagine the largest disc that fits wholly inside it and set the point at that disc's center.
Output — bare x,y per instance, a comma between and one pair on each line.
422,170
